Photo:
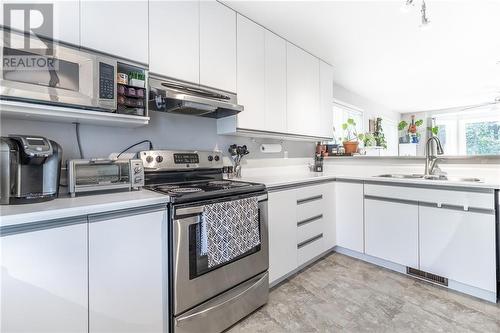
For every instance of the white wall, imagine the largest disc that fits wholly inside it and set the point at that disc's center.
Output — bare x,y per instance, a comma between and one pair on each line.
166,131
370,108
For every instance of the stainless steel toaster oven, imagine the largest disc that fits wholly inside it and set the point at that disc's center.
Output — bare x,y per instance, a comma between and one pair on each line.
104,175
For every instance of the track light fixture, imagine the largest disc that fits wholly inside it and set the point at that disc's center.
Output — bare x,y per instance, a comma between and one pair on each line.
423,10
425,19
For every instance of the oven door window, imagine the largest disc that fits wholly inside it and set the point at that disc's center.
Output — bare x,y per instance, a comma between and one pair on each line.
198,258
50,72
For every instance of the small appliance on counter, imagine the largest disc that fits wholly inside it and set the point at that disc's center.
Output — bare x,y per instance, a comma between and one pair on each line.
90,175
31,169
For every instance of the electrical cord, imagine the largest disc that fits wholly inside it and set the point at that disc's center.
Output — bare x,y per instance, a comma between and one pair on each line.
77,131
136,144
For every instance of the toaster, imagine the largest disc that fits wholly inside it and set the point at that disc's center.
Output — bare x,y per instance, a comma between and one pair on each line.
90,175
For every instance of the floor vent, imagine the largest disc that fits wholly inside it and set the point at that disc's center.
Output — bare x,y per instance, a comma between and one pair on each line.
427,276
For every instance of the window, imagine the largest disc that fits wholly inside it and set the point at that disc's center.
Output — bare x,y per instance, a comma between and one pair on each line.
475,132
342,112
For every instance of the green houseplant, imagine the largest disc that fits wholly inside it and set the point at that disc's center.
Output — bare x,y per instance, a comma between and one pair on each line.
351,137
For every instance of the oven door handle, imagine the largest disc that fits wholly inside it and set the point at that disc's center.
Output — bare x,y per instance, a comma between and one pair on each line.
196,210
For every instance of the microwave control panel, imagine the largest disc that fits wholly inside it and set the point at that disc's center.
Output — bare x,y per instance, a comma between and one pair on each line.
106,81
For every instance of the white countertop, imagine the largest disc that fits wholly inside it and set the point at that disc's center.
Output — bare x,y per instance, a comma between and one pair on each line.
287,179
81,205
98,203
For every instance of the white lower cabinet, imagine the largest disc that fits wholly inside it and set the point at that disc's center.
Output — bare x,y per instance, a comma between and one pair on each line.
301,227
459,245
44,277
391,231
282,233
127,262
349,199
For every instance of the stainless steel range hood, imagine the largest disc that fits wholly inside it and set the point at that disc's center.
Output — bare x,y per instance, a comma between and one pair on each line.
172,96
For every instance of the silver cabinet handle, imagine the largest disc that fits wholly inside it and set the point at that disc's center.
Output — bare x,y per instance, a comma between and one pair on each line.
309,220
395,200
309,241
41,225
305,200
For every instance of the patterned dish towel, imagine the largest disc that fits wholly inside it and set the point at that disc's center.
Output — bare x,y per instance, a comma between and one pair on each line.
229,229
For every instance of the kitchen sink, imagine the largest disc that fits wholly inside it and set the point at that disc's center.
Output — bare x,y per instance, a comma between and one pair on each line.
401,176
441,178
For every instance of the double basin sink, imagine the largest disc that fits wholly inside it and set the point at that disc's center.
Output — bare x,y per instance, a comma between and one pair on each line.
432,177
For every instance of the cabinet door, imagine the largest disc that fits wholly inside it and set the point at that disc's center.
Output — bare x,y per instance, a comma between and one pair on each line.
174,39
458,245
349,215
282,233
65,18
329,215
44,278
391,231
115,27
217,46
302,92
325,124
275,72
251,74
127,263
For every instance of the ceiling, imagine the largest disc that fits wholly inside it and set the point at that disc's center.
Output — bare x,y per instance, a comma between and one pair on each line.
381,52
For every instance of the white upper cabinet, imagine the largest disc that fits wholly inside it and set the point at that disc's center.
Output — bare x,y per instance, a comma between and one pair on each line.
116,27
275,72
174,39
217,46
66,18
251,62
325,124
302,92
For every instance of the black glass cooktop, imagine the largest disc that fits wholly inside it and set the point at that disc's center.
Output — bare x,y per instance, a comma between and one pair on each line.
190,191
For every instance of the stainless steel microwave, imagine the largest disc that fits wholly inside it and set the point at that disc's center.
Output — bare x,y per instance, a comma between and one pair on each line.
53,73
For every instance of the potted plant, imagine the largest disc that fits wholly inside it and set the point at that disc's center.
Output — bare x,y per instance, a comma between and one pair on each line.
351,137
408,133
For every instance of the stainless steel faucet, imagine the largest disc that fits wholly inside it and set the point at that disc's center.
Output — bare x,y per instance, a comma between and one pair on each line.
430,158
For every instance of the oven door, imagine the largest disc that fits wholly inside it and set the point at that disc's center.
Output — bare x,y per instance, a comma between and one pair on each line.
65,75
193,281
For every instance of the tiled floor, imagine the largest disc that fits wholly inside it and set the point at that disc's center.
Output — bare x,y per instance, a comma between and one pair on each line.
341,294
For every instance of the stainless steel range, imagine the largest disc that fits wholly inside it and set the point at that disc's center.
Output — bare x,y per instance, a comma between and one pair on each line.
218,240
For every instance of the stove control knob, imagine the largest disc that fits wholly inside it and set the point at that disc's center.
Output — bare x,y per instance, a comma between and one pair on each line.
159,159
217,158
149,159
210,158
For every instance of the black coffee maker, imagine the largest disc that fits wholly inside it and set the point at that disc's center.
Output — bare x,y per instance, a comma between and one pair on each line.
30,169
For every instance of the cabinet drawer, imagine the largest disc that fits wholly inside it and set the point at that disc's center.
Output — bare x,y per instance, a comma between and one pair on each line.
310,227
310,202
310,248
